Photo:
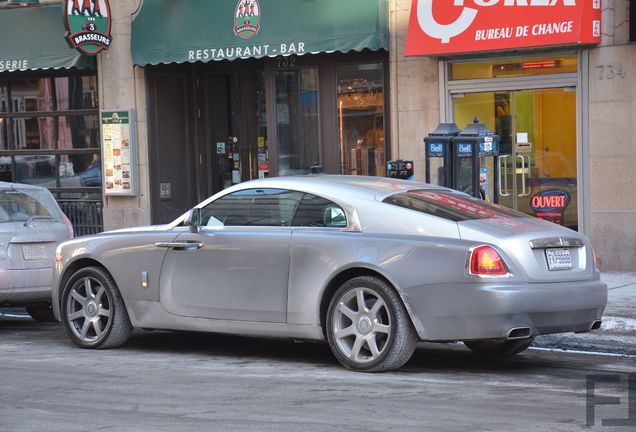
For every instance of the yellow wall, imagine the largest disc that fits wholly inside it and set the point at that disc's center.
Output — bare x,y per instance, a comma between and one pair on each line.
481,105
555,128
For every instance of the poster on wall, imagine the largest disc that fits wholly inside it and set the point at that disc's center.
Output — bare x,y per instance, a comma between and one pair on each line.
119,152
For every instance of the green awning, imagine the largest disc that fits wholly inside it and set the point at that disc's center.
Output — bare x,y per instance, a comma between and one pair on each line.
33,38
177,31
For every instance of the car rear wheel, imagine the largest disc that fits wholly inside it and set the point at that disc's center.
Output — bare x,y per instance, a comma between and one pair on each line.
93,311
498,347
368,327
41,312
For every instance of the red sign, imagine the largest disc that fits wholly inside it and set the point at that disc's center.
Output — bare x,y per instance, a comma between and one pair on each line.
460,26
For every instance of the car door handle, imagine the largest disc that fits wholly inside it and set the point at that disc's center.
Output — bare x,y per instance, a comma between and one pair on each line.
180,245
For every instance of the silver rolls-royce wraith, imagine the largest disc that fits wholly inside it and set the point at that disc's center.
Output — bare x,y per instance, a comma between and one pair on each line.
372,265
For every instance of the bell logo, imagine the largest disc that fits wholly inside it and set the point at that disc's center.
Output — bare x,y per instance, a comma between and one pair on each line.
445,32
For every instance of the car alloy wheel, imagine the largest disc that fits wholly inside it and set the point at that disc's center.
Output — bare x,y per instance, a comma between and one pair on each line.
368,327
361,325
93,311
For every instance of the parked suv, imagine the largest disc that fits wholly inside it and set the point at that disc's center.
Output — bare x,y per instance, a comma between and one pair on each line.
31,227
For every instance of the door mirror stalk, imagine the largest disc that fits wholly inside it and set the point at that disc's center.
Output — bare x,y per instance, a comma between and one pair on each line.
193,220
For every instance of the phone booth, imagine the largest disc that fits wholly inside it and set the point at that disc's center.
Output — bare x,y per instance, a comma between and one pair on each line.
475,167
437,148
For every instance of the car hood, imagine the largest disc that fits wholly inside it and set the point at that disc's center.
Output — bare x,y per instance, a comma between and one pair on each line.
524,242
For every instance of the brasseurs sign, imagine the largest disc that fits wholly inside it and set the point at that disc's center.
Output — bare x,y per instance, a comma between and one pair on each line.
439,27
88,25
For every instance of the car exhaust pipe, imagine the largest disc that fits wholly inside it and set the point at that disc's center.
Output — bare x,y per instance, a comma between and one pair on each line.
596,325
519,333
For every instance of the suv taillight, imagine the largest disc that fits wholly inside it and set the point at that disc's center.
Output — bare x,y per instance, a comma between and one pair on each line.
485,260
69,226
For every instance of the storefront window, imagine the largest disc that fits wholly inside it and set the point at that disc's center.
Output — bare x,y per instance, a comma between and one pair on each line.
297,121
54,94
513,67
4,98
360,114
537,153
56,144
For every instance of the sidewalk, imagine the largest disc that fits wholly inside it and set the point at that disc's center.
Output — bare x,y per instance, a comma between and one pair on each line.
618,331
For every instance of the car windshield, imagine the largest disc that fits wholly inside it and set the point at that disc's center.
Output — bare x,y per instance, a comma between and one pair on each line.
451,206
19,205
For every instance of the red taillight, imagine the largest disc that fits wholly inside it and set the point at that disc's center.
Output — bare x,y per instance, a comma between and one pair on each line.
485,260
595,260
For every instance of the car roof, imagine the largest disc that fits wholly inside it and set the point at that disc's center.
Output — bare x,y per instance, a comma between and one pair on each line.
17,186
339,185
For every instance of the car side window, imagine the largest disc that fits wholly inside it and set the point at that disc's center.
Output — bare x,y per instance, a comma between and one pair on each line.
315,211
252,207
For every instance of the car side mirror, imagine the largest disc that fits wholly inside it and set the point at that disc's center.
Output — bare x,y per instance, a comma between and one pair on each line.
193,220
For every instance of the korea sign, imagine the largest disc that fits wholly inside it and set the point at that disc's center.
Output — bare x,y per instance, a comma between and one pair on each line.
439,27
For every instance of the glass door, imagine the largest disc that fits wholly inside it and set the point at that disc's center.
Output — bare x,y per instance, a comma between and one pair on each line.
297,120
537,162
236,124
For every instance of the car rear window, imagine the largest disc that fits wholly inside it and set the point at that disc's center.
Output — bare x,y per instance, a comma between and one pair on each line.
20,205
451,206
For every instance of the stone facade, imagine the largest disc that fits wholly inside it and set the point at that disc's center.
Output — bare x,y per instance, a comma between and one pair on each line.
612,141
122,86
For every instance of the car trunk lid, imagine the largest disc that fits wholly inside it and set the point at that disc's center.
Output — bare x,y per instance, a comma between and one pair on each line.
543,251
30,245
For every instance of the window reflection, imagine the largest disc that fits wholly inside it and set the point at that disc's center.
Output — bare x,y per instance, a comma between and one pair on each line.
361,119
4,98
54,94
297,120
49,133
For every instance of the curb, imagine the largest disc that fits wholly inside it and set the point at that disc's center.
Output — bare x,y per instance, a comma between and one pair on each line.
592,342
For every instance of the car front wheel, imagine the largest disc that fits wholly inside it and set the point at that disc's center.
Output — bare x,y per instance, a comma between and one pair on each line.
93,311
497,347
368,327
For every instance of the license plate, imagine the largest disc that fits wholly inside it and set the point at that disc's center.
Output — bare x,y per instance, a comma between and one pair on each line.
34,252
559,259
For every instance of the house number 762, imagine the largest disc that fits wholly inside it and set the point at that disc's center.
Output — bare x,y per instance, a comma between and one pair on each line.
610,71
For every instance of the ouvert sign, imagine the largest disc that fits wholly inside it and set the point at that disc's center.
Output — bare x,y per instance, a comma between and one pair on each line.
439,27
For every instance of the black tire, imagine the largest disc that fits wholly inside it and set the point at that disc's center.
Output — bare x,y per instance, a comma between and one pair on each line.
41,312
499,347
93,311
378,336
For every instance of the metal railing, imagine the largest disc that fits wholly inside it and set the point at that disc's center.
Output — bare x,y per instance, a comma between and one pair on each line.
85,215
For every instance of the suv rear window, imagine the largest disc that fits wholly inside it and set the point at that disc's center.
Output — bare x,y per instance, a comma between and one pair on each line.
20,205
451,206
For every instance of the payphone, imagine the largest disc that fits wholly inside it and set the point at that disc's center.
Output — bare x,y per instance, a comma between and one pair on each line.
475,167
438,153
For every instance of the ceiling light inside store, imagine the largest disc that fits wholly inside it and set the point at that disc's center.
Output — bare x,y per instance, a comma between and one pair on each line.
23,3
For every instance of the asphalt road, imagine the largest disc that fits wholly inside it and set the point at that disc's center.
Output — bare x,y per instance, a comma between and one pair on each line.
168,381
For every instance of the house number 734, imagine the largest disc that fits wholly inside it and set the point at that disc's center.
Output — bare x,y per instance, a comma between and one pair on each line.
610,71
